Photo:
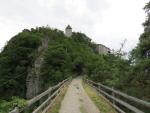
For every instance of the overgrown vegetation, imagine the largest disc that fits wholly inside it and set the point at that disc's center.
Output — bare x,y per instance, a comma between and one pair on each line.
72,57
65,57
99,101
17,55
139,79
130,76
6,106
57,103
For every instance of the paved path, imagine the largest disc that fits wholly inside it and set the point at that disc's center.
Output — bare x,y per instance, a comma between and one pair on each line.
76,100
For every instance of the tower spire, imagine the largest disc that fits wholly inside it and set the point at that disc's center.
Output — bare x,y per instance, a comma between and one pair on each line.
68,31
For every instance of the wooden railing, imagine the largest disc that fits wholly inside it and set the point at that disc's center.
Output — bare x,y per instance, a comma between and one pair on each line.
44,99
113,96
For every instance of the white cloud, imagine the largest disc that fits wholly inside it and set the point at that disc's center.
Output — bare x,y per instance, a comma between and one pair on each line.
105,21
9,28
121,20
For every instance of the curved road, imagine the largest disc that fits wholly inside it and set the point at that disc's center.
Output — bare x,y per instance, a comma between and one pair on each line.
76,100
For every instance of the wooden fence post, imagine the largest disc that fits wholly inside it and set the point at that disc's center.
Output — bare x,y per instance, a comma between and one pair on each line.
113,94
99,87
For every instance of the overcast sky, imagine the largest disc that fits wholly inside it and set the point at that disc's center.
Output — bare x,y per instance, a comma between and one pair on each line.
108,22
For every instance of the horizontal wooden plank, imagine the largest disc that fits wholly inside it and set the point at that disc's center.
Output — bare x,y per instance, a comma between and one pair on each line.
130,107
142,102
47,102
38,97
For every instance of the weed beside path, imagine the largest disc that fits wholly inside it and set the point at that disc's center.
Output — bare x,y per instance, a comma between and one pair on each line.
99,101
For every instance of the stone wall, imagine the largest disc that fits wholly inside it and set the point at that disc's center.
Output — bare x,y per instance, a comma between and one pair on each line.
33,77
101,49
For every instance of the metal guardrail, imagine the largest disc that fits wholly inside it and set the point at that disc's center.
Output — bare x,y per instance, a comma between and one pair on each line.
50,96
100,88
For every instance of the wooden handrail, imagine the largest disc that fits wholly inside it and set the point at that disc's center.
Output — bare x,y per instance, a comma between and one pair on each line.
99,86
134,99
132,108
46,102
38,97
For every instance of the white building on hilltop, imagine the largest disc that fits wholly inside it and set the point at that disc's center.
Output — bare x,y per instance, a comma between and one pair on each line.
68,31
101,49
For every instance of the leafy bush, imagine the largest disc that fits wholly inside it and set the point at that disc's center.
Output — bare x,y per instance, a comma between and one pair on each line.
6,106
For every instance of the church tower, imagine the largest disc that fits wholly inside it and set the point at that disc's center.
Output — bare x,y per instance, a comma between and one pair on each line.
68,31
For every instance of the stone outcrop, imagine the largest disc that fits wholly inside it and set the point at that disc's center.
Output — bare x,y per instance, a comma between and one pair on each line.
33,77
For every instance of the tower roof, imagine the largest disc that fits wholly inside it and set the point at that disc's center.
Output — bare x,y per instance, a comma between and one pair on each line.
68,27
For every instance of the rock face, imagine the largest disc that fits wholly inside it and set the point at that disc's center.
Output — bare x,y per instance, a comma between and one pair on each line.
33,77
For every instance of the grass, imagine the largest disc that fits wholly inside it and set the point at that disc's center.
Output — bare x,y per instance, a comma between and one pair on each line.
82,109
7,106
57,104
99,100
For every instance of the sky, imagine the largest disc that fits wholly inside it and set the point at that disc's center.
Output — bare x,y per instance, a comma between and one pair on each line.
107,22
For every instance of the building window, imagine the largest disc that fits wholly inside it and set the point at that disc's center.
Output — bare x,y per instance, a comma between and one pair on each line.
148,54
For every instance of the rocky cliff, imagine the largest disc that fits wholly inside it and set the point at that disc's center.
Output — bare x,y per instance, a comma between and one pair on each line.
33,77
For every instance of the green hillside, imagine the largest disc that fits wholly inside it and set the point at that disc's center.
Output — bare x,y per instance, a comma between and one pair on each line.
64,57
70,56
